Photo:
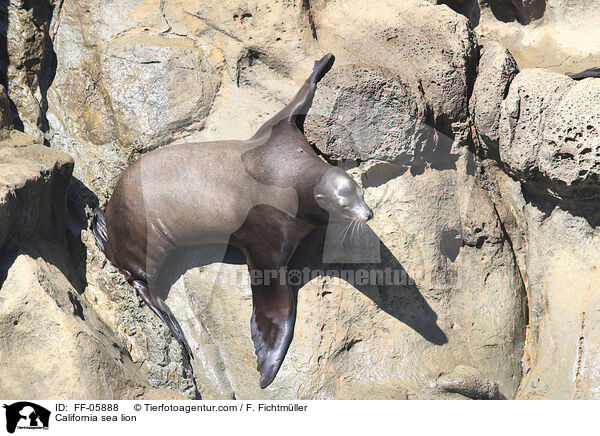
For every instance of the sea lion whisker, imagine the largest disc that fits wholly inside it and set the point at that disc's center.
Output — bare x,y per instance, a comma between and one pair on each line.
349,234
361,230
342,231
354,229
347,228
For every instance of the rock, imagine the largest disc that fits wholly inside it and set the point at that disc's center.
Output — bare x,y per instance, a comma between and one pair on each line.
470,304
33,185
361,114
162,394
560,256
124,96
549,136
467,382
398,77
496,259
497,69
27,62
539,33
184,71
562,262
152,77
372,392
438,56
46,328
5,116
145,337
533,93
544,33
143,76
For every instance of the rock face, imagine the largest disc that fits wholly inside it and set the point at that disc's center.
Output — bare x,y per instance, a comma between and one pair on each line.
53,346
400,334
366,110
550,125
392,125
564,292
548,141
42,337
438,57
481,267
117,89
497,69
560,35
26,60
33,184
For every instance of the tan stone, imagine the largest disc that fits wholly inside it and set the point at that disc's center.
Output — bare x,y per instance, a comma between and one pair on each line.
52,345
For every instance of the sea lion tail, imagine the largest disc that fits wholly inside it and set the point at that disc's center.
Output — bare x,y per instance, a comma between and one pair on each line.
99,228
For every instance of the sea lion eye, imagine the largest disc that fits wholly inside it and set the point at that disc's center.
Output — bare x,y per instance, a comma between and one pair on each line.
300,149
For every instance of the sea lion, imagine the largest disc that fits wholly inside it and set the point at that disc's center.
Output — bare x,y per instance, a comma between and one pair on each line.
590,72
262,195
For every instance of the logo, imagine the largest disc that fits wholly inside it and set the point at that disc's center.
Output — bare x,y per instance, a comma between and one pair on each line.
26,415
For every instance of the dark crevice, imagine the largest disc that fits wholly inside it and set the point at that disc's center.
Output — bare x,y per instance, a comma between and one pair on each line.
522,11
524,291
311,22
40,72
468,8
525,298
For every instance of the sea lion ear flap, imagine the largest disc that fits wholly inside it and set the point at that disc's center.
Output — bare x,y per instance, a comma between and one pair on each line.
296,111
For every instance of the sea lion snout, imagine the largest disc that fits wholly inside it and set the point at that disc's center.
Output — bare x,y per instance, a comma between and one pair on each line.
368,214
361,212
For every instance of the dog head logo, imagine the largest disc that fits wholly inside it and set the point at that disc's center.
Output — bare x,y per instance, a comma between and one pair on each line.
24,414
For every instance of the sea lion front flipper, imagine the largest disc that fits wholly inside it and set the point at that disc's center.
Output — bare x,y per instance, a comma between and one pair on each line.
272,324
296,110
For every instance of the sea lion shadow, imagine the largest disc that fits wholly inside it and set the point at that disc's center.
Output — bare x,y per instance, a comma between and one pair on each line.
402,301
183,259
79,198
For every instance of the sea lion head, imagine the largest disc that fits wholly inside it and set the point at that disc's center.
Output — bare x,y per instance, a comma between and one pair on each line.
341,197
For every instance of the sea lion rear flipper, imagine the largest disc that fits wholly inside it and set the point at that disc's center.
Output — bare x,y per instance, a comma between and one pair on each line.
159,307
296,110
174,326
99,228
272,323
